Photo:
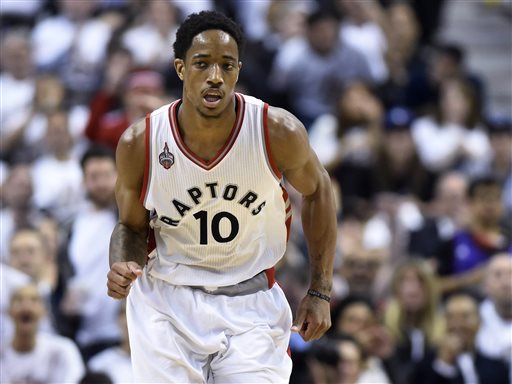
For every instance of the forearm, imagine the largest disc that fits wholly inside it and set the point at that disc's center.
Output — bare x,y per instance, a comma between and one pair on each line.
127,244
319,224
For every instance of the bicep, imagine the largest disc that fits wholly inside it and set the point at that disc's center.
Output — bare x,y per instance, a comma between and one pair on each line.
307,177
293,153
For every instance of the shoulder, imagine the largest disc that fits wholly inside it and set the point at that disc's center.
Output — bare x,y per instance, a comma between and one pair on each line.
56,343
133,136
288,138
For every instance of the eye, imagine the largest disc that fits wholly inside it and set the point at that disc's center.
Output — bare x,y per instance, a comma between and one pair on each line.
229,66
200,64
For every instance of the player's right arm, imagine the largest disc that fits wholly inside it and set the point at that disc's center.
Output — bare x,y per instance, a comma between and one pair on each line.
128,243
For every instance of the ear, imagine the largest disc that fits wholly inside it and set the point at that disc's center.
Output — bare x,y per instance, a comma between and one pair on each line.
179,66
239,69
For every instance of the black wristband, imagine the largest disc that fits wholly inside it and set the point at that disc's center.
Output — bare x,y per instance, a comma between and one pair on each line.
315,293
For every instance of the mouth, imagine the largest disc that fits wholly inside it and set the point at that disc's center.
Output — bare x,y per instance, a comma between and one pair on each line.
212,99
26,318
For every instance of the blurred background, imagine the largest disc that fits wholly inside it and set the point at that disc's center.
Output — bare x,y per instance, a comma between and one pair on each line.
408,105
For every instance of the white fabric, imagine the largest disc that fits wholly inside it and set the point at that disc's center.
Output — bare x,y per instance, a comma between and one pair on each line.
24,8
88,253
439,145
54,359
148,46
374,373
187,7
494,338
55,36
10,280
324,139
16,96
58,186
369,39
8,226
466,365
114,362
220,238
184,335
253,17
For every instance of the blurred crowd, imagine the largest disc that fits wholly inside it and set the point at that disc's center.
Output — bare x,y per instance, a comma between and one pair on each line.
421,170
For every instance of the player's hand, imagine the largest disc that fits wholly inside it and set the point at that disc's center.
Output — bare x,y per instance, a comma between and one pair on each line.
120,278
313,318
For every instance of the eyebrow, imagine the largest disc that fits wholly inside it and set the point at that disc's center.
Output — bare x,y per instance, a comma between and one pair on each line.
204,55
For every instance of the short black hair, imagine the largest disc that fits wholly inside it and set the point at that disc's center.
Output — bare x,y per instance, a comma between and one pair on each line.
482,181
97,152
452,50
196,23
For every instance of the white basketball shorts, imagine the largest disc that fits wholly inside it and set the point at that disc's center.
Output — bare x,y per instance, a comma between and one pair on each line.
184,335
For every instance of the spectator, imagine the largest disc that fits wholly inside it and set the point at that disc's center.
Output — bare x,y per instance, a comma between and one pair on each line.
454,136
494,338
313,71
12,279
364,27
458,360
33,356
398,169
356,316
339,359
17,209
18,84
150,41
445,62
500,135
403,55
412,316
23,138
88,252
116,361
445,215
63,195
353,134
29,254
143,92
72,45
463,259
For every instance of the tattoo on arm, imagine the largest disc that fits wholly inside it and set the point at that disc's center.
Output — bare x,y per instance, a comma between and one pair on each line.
320,279
128,245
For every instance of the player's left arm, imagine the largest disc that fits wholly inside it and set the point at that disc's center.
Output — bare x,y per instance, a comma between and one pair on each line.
301,168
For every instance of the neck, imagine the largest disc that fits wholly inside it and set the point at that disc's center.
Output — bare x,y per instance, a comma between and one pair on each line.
192,121
412,318
62,155
24,342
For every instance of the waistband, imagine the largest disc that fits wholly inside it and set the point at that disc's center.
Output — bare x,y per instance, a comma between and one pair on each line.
260,282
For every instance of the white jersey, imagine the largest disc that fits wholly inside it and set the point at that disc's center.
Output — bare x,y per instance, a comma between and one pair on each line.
219,222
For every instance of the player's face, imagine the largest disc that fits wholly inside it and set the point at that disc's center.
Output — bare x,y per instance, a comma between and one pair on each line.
210,72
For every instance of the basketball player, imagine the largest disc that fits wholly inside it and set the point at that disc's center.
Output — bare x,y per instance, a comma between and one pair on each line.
204,174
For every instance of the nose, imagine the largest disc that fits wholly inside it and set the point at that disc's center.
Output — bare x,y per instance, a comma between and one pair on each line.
215,75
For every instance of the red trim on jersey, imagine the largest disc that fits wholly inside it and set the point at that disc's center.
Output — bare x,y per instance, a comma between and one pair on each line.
147,154
268,148
151,242
208,165
288,221
271,276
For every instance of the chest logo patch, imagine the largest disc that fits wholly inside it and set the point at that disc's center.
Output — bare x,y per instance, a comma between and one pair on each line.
166,158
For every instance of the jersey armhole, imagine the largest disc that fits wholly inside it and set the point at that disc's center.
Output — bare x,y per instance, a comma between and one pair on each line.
147,155
268,150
